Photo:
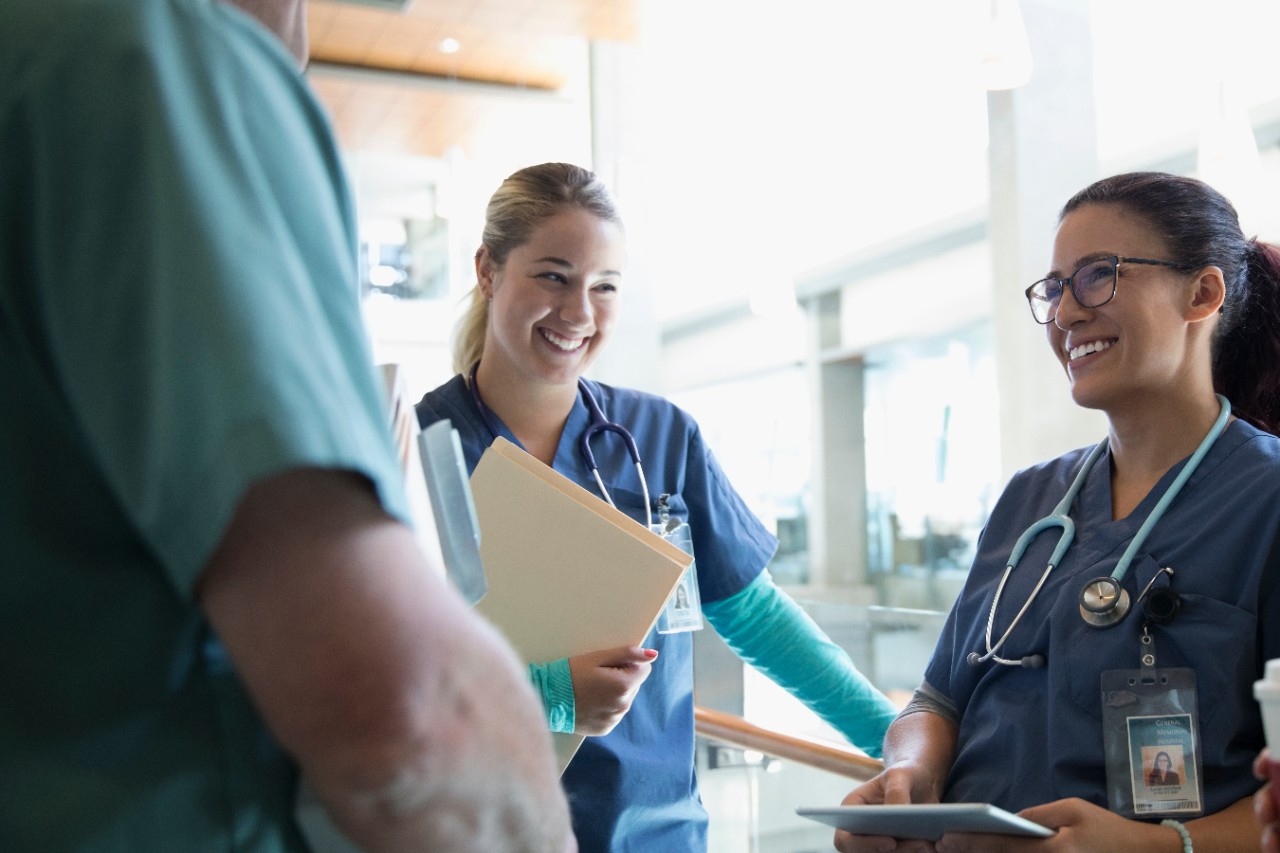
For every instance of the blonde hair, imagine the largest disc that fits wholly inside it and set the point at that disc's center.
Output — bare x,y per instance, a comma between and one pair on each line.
515,210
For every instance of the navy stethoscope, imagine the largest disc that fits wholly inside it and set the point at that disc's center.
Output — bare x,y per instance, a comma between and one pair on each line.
599,423
1103,601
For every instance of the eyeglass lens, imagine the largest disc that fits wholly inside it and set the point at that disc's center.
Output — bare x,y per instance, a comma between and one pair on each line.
1092,285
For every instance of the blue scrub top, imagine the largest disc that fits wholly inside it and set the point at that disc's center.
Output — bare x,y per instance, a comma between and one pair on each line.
635,788
1030,736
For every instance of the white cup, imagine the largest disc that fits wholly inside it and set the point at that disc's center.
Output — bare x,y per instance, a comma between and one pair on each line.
1267,692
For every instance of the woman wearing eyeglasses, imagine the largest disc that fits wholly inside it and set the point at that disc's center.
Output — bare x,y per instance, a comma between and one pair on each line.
1149,625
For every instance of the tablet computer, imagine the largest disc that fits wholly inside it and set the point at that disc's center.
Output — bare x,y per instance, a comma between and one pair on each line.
927,821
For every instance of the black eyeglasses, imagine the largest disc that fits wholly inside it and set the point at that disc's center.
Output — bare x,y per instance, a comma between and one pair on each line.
1093,284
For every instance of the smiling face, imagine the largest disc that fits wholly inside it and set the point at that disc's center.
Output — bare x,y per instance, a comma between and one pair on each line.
1138,347
555,301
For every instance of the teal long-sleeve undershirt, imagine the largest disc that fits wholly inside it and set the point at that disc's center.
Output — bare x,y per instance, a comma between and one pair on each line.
555,685
766,628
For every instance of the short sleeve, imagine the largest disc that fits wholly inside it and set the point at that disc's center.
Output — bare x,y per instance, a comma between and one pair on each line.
730,544
193,295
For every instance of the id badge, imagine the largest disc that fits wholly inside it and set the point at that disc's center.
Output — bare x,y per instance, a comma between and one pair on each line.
683,610
1150,727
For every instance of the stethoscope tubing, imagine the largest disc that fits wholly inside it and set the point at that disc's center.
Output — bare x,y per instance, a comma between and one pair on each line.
599,423
1060,518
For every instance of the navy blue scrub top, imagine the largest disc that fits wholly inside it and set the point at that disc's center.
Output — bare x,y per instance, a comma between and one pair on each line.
635,788
1030,736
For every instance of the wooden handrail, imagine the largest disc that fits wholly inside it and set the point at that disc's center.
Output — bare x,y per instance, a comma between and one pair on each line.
824,755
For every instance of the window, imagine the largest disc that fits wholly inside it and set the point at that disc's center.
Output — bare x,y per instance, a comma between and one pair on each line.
932,462
758,429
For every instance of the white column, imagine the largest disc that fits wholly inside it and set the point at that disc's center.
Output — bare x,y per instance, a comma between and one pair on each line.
633,358
1043,148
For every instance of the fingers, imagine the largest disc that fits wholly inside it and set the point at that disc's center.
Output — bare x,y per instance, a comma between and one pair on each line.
869,793
605,684
620,657
1270,840
962,842
628,656
897,787
1264,807
846,842
849,843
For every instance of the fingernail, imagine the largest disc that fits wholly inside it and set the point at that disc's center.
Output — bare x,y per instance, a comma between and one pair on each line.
651,653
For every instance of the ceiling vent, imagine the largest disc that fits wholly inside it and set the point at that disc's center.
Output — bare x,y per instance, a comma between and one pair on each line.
384,5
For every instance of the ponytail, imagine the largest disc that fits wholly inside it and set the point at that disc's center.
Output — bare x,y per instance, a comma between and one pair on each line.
469,333
1246,365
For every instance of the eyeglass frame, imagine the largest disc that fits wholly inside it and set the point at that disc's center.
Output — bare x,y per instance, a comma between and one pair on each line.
1068,283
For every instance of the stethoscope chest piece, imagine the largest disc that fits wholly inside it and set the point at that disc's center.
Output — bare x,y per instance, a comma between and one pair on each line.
1103,602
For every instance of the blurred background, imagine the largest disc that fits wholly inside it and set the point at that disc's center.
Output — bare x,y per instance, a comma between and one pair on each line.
832,211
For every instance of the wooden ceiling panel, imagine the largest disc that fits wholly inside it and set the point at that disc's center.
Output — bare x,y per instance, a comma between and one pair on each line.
520,45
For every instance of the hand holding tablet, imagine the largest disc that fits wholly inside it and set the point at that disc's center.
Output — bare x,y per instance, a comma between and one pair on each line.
926,821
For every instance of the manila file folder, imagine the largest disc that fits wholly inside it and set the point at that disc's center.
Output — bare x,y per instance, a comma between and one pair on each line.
567,573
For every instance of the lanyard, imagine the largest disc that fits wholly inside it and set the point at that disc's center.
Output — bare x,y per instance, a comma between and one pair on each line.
599,423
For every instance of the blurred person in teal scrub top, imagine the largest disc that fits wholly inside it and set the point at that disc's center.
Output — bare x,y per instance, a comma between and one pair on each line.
207,585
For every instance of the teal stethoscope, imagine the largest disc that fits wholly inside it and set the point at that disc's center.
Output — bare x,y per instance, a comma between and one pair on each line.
1103,601
599,423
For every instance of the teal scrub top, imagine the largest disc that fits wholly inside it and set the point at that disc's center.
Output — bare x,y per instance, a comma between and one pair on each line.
178,319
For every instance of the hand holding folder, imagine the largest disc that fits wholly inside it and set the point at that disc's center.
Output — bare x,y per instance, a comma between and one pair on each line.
567,573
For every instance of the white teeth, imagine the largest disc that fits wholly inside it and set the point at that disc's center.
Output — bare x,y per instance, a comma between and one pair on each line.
1085,349
566,344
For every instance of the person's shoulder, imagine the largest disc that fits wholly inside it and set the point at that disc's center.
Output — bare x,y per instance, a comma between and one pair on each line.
442,402
108,22
630,402
135,40
50,32
1250,456
1244,437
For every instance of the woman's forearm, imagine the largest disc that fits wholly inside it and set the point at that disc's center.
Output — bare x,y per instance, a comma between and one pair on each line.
1232,829
925,742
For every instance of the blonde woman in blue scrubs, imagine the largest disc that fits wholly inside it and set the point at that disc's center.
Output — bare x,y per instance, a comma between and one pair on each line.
550,275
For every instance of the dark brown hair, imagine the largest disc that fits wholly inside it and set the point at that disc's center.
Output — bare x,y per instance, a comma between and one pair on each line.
1200,228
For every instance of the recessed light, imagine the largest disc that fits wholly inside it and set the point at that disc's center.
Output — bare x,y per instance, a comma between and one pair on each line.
449,45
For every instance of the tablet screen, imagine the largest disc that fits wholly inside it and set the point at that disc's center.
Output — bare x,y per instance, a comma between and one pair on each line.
924,821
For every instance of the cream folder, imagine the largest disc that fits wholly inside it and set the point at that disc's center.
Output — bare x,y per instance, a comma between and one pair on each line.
567,573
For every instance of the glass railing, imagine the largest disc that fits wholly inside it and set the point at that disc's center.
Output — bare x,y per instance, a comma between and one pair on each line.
751,796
